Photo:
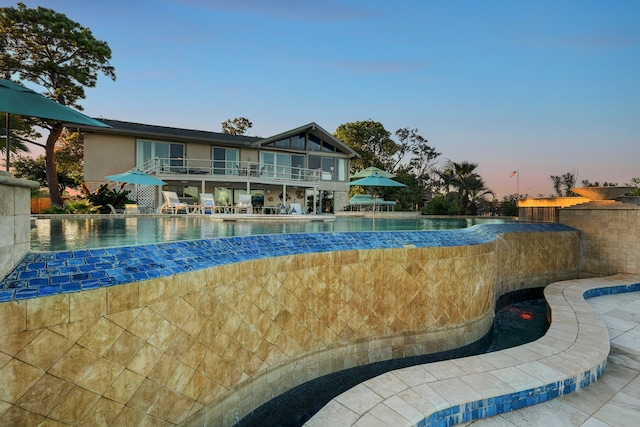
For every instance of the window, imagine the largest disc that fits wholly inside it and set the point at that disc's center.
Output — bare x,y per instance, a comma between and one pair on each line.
297,142
225,161
333,169
317,144
169,156
276,165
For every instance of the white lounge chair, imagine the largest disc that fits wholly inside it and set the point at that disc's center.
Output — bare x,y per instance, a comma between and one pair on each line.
295,209
172,203
131,209
209,205
244,204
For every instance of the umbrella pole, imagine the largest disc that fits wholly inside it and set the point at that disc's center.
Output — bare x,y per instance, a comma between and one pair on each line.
7,145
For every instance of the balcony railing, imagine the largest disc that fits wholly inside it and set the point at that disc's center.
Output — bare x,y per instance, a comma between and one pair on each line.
235,171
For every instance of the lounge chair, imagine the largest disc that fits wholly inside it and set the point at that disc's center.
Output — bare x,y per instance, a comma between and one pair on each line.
244,204
172,203
295,209
131,209
209,205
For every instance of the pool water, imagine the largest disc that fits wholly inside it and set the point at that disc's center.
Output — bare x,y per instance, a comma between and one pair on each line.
58,234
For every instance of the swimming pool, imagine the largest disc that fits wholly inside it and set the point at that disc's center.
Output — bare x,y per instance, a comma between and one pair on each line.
57,234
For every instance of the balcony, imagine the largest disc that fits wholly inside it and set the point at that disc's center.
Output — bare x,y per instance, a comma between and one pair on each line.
213,170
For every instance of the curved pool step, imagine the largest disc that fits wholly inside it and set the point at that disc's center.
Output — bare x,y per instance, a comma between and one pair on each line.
570,356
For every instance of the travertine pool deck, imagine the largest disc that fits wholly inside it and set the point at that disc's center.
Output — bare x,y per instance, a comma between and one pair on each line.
572,354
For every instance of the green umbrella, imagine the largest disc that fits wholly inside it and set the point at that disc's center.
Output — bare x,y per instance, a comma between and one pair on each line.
376,181
17,99
372,170
135,177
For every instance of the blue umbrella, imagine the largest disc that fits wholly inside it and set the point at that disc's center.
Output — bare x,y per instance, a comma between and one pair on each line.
372,170
376,180
135,177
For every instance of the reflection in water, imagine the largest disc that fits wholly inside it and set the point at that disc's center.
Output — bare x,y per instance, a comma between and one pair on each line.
54,234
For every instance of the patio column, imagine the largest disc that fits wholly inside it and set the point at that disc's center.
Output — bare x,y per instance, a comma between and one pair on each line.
284,194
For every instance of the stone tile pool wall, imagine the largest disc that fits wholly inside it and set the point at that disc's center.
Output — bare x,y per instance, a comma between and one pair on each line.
198,331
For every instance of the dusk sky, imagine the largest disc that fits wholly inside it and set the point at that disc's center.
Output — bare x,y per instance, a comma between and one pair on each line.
542,87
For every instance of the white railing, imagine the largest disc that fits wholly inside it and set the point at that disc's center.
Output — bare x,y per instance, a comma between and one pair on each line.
235,170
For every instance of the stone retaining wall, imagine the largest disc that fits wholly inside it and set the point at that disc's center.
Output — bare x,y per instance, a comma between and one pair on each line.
14,220
208,346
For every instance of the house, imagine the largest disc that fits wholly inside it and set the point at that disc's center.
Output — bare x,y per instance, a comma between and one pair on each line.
305,165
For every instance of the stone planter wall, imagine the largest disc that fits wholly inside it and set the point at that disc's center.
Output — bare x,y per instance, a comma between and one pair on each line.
14,220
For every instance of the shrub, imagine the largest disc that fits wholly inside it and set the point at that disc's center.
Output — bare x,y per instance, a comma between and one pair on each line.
104,196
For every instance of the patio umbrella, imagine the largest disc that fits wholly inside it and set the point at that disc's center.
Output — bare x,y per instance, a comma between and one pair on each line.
376,180
17,99
372,170
137,178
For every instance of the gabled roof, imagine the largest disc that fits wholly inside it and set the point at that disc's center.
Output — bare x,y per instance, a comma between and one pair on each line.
312,128
164,133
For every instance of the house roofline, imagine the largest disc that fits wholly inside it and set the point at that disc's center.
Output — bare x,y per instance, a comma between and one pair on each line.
119,127
313,126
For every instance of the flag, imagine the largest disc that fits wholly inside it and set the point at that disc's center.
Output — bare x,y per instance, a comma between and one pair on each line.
513,174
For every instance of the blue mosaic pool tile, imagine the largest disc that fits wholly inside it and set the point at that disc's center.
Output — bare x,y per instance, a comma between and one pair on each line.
48,290
26,293
70,287
109,266
60,279
39,282
89,284
6,296
36,265
28,274
108,281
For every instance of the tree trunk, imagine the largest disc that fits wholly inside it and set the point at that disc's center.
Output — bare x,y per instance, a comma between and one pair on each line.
50,160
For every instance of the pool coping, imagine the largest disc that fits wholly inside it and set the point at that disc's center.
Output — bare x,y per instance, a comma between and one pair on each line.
570,356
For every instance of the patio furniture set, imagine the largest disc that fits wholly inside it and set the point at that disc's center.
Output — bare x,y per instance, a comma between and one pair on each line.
208,205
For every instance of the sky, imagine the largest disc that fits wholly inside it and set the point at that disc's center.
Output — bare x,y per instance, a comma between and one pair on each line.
538,87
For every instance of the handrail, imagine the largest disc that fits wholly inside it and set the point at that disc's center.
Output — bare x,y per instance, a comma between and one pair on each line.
254,171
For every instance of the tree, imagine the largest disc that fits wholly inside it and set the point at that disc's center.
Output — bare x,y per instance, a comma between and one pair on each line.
509,206
51,50
22,132
424,156
35,169
635,183
70,155
563,184
461,179
237,126
372,142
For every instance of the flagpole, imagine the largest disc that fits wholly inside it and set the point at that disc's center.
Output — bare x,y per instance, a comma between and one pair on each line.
517,185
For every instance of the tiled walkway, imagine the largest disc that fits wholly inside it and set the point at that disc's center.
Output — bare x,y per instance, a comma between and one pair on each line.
613,400
557,370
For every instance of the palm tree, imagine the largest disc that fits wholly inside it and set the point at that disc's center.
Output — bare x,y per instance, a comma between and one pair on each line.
462,179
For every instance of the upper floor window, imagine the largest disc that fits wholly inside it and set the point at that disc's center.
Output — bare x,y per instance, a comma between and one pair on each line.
317,144
169,155
225,161
295,142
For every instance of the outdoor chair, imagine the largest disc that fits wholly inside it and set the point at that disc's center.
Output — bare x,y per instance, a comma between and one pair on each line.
208,204
244,204
295,209
172,203
131,209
